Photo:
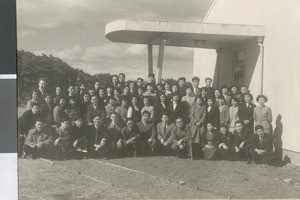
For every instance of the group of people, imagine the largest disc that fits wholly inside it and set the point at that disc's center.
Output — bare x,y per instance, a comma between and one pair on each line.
141,118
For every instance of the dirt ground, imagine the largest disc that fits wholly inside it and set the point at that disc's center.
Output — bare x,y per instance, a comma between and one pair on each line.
154,178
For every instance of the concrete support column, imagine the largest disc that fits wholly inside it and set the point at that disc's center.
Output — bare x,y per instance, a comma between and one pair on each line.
261,59
150,59
160,60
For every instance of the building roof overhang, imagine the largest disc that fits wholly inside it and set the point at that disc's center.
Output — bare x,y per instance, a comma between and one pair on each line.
181,34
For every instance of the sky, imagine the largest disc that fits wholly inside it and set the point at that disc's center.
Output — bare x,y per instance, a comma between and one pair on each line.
73,30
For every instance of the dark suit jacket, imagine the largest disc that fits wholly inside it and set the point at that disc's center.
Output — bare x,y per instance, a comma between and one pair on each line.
210,91
128,134
114,132
27,121
214,140
174,114
246,137
266,143
227,139
147,131
159,110
91,133
213,116
245,113
91,113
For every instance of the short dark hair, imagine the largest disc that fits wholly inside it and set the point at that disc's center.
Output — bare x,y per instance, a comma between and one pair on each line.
129,119
114,76
39,119
261,96
238,122
236,100
195,78
182,78
122,74
208,79
139,79
259,127
250,95
113,113
146,112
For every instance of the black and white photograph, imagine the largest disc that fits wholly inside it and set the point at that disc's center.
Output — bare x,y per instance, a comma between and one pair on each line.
158,99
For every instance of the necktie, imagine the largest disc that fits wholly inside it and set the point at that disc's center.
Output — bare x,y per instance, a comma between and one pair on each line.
165,129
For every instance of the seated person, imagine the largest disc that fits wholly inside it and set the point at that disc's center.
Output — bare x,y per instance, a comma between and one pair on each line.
27,122
180,138
96,139
122,110
241,142
114,135
225,143
39,141
78,137
72,110
148,107
164,130
59,111
110,107
61,142
210,142
130,136
147,131
262,146
95,109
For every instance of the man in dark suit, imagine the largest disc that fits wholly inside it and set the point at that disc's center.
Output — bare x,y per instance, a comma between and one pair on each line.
245,112
96,135
164,130
131,138
114,135
242,142
148,134
210,90
42,90
196,89
95,109
262,146
176,109
161,108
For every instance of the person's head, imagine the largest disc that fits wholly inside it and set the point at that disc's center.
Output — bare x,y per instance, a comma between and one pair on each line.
86,98
76,89
159,87
58,90
72,102
189,91
132,86
109,90
210,101
139,82
114,117
181,81
65,123
145,116
179,122
175,97
126,90
71,90
261,99
234,89
35,108
78,122
235,101
94,100
175,88
199,100
121,78
146,101
34,94
112,100
259,129
223,129
165,118
134,100
151,78
167,86
115,79
92,91
124,102
97,85
209,127
140,91
208,82
129,122
62,102
39,124
48,99
82,86
162,98
42,83
204,92
117,92
221,101
238,126
97,120
248,98
224,90
217,93
101,92
196,81
244,89
149,87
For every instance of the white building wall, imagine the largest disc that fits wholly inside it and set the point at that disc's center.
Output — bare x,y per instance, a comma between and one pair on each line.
281,58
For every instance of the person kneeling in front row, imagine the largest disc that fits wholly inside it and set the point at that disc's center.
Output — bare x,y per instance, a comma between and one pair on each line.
180,138
130,138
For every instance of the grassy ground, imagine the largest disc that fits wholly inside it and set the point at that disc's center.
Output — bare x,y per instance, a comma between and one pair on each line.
152,178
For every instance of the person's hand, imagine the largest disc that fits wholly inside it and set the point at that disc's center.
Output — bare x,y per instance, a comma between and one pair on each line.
75,144
207,146
241,145
197,123
179,142
246,121
102,143
119,143
39,145
237,149
97,146
181,146
150,140
225,147
162,141
56,141
221,145
165,144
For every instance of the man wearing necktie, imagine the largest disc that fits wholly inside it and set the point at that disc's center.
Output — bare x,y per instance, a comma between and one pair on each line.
114,135
164,130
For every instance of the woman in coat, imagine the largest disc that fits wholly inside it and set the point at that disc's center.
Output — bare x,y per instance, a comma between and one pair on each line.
225,143
233,113
212,114
210,143
262,114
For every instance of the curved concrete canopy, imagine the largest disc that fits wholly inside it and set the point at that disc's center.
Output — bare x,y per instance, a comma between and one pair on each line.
182,34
